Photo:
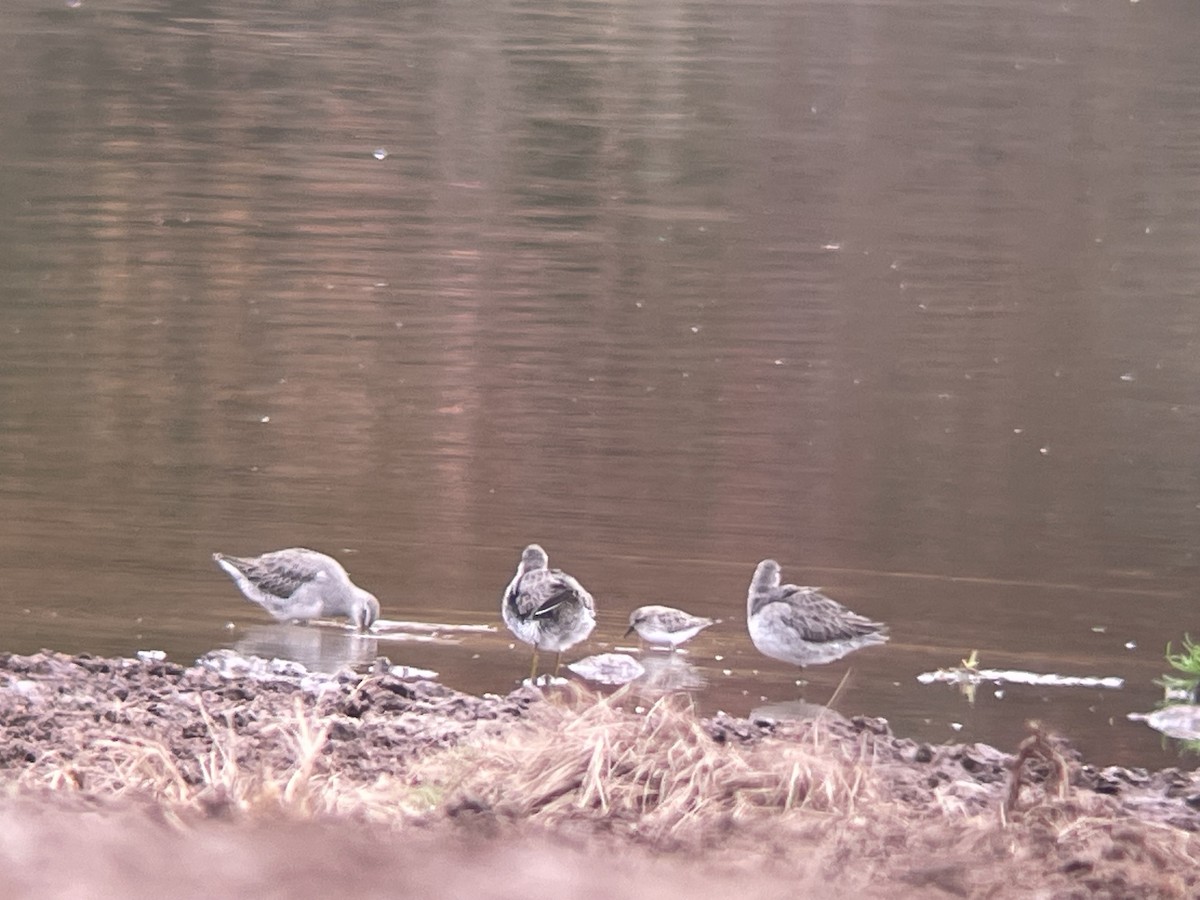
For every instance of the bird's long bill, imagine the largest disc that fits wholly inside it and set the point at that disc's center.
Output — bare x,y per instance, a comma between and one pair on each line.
628,631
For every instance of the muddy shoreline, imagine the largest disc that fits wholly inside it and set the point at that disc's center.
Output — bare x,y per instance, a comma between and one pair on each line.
234,749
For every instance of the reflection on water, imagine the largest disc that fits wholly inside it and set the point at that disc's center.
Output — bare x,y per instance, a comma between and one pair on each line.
902,295
328,647
794,710
608,668
318,648
667,672
1180,721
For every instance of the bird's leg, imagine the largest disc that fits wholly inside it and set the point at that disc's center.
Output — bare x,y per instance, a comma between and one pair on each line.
533,665
557,662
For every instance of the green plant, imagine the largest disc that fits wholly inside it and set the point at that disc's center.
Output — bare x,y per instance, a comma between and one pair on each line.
1186,662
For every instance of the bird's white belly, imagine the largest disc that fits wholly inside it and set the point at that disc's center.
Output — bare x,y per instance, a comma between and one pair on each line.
297,606
304,604
662,636
786,645
557,639
526,630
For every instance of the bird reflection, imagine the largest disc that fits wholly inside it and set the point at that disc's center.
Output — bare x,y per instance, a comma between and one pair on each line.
670,672
792,710
318,649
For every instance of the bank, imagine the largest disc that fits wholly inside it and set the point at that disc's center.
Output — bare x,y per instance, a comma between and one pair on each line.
133,777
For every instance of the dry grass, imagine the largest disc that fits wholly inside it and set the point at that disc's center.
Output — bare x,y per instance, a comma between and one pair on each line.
817,805
658,775
140,768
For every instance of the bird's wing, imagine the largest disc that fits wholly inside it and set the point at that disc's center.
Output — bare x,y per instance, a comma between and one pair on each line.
547,607
573,587
677,619
822,619
539,593
282,573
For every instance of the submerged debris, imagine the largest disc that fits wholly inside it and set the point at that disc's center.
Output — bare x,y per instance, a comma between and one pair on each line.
964,676
608,668
1180,721
384,625
231,664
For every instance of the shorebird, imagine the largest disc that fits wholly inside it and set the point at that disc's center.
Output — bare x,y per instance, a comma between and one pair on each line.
800,625
546,607
296,585
665,625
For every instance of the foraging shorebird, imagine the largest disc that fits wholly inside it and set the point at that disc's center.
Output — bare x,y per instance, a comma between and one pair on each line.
665,625
296,585
546,607
802,626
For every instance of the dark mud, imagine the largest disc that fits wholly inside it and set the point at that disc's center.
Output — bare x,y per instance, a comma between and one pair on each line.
979,775
53,707
310,785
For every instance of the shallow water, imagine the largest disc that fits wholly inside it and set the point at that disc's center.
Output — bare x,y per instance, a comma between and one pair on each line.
903,296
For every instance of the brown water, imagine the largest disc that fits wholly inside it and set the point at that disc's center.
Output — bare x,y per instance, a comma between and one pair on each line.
904,295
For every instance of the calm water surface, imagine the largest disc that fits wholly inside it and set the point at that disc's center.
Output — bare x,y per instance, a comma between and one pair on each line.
904,295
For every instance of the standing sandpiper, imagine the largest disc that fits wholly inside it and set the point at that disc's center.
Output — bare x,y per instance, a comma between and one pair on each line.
665,625
546,607
800,625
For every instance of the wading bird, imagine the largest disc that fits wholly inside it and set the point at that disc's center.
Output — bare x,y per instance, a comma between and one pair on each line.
546,608
665,625
800,625
296,585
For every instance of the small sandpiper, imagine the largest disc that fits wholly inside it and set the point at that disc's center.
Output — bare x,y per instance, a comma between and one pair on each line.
296,585
546,607
802,626
665,625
